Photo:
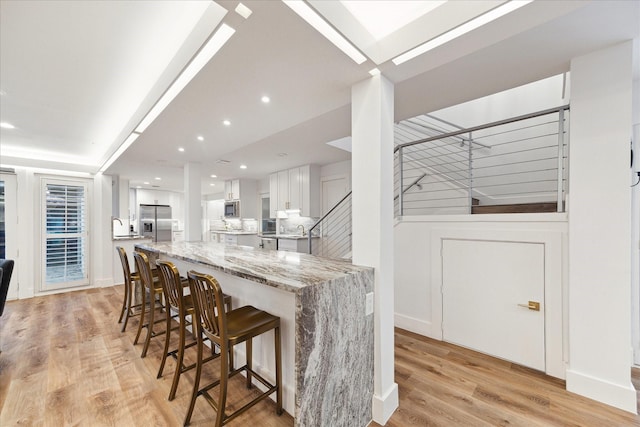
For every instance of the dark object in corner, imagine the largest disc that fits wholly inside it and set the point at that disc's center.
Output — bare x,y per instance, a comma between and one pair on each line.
6,268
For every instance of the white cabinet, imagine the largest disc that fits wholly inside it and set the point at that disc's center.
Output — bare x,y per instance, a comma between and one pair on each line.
293,245
296,188
178,236
232,189
241,239
246,191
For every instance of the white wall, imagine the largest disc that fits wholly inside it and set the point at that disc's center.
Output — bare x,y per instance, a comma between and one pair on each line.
337,169
418,268
635,213
599,227
29,244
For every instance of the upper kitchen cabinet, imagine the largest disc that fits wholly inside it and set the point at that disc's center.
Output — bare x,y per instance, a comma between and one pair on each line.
246,191
232,189
297,188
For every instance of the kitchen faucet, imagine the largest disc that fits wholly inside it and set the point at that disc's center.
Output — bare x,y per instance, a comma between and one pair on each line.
303,232
115,218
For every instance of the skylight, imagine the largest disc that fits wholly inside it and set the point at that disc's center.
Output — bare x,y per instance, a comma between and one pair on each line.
383,17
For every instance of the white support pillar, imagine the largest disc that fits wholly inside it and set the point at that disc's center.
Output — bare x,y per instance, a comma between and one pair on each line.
599,227
192,196
372,114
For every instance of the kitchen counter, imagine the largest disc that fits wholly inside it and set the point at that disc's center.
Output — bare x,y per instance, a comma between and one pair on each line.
327,335
235,232
129,237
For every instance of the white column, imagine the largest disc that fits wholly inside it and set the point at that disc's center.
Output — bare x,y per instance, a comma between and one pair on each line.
599,227
372,203
192,196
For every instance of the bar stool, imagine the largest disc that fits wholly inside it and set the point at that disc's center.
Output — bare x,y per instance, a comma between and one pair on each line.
154,287
227,329
130,280
183,304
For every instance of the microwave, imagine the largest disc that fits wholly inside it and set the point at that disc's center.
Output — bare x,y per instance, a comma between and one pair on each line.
232,209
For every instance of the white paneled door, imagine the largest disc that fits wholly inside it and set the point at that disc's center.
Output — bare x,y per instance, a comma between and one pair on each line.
489,294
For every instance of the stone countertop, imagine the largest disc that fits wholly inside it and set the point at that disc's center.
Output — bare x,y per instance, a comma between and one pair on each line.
130,237
289,271
235,232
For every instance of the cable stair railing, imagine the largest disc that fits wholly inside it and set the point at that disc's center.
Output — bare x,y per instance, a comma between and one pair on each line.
512,165
334,230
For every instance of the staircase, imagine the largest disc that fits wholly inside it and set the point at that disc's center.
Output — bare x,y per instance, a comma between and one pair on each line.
334,230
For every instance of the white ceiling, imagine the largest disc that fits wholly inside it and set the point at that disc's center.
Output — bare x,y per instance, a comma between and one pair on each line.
77,77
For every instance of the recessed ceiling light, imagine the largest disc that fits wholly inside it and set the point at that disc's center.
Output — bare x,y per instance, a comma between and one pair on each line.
243,166
212,184
200,138
181,149
6,125
265,99
243,11
317,22
465,28
146,183
226,122
157,178
374,72
214,176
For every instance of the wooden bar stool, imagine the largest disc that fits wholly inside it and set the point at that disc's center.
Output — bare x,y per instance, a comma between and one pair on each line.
130,280
154,288
183,304
227,329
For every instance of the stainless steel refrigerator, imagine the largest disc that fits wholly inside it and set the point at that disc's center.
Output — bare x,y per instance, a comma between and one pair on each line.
155,222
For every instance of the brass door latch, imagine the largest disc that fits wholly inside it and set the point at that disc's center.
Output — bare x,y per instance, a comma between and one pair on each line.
533,305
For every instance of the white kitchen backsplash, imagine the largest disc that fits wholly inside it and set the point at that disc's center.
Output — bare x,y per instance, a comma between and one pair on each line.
291,225
250,225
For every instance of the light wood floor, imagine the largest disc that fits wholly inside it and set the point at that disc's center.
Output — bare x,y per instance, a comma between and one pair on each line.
65,362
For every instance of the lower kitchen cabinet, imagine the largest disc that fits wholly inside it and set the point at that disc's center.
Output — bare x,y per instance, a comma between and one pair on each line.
293,245
242,239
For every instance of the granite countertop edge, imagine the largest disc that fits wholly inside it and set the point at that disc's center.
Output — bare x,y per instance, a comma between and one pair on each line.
291,272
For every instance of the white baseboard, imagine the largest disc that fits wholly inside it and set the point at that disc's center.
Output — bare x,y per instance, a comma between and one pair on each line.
619,396
416,326
103,283
385,405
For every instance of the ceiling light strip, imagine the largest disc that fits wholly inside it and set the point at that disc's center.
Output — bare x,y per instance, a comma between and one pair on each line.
204,55
461,30
213,45
126,144
317,22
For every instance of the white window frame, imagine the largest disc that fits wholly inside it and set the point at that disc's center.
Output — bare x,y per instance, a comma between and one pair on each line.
86,280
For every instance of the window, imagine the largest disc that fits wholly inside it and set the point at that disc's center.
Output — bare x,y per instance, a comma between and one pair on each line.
65,240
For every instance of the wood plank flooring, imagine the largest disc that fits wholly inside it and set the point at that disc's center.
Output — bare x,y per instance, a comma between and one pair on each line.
442,384
65,362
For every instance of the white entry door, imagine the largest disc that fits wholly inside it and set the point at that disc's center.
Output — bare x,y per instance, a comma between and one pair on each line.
487,289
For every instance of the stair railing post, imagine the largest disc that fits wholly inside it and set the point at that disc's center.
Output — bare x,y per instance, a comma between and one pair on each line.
400,197
560,158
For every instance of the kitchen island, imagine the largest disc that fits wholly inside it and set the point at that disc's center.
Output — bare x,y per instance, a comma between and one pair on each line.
327,335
